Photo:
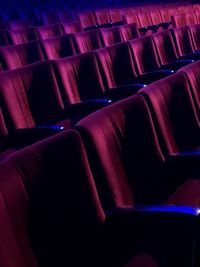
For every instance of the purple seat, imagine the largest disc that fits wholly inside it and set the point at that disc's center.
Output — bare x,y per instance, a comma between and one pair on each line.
111,35
23,35
72,27
50,31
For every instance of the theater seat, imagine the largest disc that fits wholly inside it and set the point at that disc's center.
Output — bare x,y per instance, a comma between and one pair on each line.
111,35
129,31
46,32
17,56
23,35
72,27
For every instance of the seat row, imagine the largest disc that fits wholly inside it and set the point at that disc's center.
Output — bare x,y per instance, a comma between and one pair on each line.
167,46
120,186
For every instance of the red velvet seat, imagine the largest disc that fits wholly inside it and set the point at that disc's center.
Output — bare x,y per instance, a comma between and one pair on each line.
111,35
17,56
175,116
115,16
46,32
191,18
72,27
23,35
124,154
80,78
131,18
102,17
129,31
179,20
87,41
87,19
166,50
195,31
58,47
118,69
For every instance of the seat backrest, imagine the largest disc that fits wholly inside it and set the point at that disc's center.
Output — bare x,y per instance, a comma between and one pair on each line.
192,73
129,31
131,18
87,19
29,96
156,16
111,35
115,15
19,24
102,16
145,19
46,32
179,20
173,112
58,47
183,40
115,139
23,35
87,41
16,249
56,167
165,47
144,54
72,27
195,32
165,14
4,38
17,56
116,65
79,78
191,18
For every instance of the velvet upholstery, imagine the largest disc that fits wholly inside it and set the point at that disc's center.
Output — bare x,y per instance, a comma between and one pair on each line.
87,41
129,31
102,16
46,32
58,47
79,78
115,15
87,19
111,35
116,65
195,31
179,20
17,56
23,35
72,27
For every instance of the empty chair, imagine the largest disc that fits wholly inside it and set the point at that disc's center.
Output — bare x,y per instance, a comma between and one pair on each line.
146,23
23,35
195,32
17,56
131,18
166,50
158,20
5,38
30,96
176,120
102,17
18,25
50,17
115,139
87,41
184,43
72,27
115,16
191,18
118,70
46,32
58,47
88,20
111,35
146,59
179,20
79,78
129,31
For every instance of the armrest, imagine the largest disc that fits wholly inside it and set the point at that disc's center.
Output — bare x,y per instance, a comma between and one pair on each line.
177,64
160,222
150,77
78,111
124,91
25,136
152,27
93,27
